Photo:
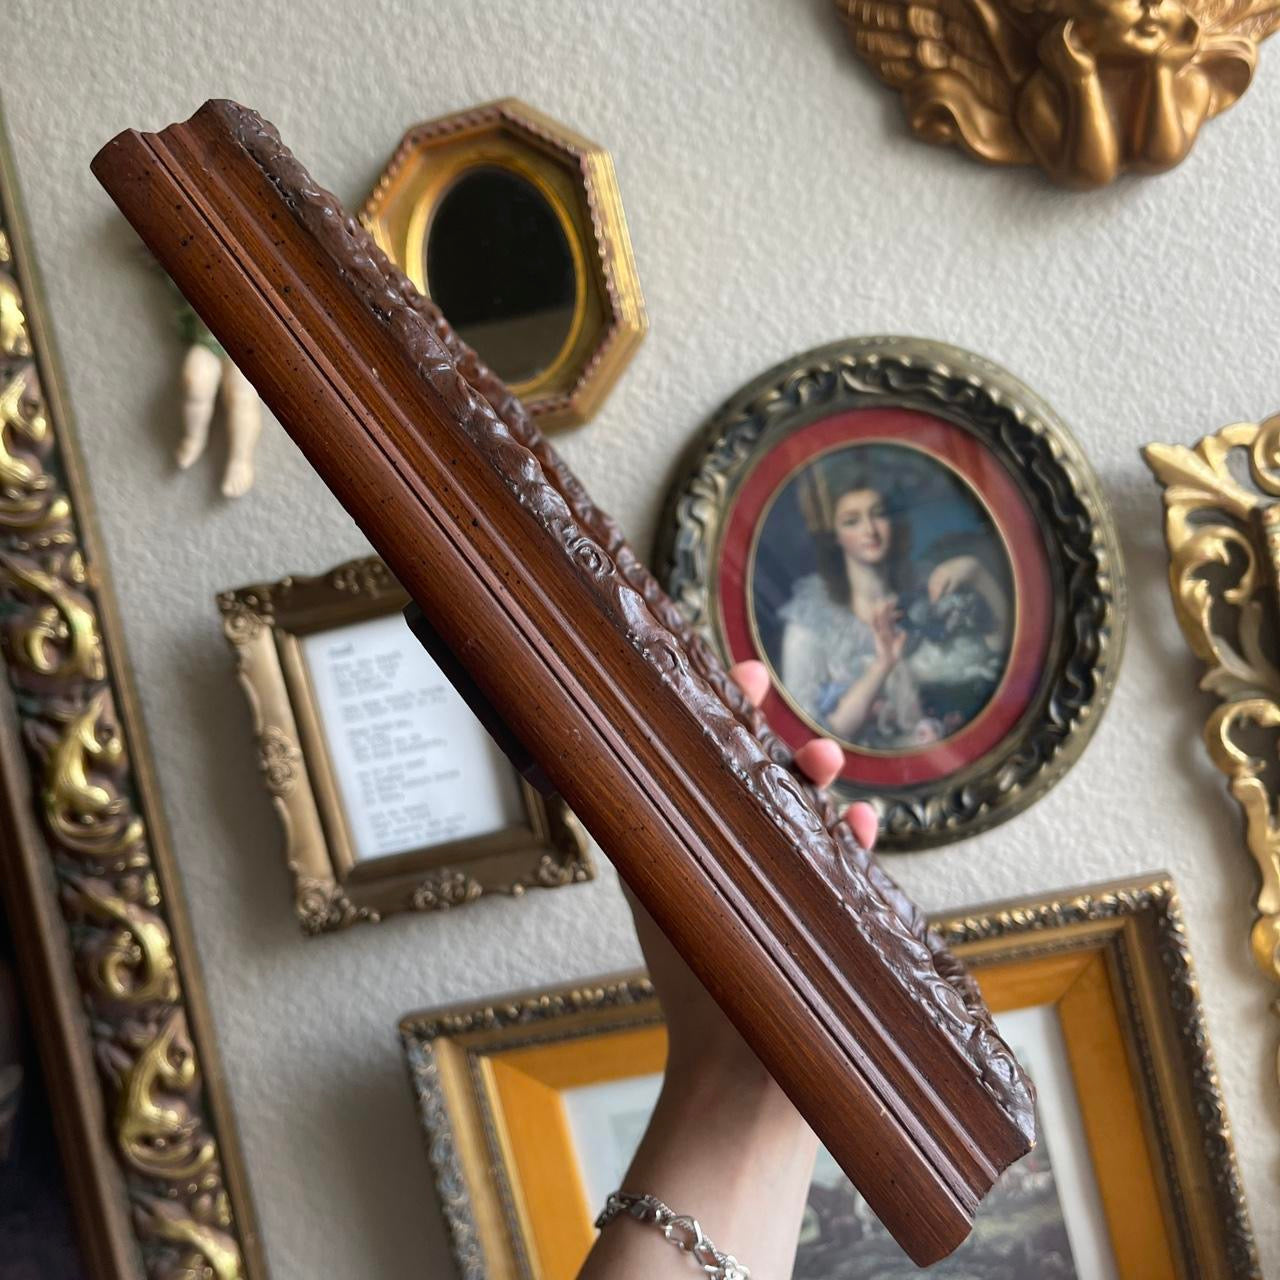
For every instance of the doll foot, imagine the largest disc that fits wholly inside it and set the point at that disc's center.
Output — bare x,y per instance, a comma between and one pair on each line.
187,452
238,479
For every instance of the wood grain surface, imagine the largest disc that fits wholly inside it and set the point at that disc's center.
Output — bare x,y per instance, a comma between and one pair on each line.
811,950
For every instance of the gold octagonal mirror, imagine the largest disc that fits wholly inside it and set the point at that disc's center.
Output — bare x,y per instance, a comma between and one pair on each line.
513,225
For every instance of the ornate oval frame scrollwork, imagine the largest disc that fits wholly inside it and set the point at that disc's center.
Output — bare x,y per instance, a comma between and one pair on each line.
1051,472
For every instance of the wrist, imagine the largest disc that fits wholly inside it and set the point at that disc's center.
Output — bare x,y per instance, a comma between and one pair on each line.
724,1145
880,666
725,1073
733,1097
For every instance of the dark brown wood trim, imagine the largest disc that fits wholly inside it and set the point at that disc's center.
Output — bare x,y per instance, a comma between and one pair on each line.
808,949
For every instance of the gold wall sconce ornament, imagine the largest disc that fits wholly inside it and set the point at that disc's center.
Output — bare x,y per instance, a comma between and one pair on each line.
1086,89
1222,527
392,796
513,225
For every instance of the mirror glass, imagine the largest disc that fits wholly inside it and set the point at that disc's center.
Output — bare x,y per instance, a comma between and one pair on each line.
498,264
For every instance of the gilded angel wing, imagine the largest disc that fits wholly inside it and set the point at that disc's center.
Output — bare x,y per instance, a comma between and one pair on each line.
957,64
1253,19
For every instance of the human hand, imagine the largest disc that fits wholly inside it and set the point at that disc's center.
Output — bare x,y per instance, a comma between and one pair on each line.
701,1038
951,575
1063,52
723,1141
891,640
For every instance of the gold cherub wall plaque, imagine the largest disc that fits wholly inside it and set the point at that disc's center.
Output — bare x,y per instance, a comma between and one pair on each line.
1086,89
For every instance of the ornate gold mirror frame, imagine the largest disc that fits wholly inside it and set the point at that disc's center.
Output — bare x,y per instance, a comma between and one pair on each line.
89,880
1222,526
576,179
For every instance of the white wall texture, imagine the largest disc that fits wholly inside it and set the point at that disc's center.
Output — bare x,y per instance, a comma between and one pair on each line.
776,202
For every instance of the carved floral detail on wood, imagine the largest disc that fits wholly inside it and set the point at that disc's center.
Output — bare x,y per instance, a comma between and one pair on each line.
1086,89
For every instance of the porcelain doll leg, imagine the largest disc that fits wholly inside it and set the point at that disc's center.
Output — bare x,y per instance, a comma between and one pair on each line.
244,425
201,374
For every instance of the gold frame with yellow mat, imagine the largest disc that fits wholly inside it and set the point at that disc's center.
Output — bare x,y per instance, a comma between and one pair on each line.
1111,961
575,176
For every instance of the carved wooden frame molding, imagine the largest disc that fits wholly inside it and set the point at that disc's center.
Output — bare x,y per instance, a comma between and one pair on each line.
1222,528
1136,926
858,1011
262,624
90,884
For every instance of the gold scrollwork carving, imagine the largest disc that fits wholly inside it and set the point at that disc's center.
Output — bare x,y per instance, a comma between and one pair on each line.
181,1173
14,339
202,1249
241,622
82,809
279,758
157,1131
367,577
132,960
447,888
322,905
552,874
28,499
1224,576
56,637
1225,726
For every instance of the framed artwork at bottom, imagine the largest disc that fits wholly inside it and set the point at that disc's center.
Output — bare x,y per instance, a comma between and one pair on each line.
532,1107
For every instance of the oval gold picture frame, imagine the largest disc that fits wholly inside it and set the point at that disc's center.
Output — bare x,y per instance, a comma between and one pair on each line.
1039,463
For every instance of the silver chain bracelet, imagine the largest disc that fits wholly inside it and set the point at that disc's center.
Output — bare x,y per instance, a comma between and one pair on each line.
683,1231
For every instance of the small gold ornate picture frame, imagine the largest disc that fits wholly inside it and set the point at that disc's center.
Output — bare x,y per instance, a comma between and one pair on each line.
392,795
513,225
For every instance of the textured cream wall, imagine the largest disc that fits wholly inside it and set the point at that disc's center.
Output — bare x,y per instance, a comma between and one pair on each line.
775,203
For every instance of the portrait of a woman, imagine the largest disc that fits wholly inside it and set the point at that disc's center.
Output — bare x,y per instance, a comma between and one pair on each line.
901,635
